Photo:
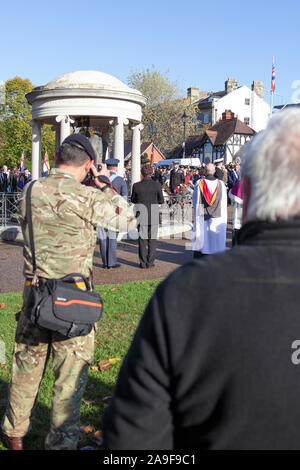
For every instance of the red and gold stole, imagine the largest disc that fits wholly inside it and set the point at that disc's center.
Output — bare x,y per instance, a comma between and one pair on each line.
209,198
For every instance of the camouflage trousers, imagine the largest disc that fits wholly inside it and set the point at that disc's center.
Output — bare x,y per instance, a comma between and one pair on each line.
71,358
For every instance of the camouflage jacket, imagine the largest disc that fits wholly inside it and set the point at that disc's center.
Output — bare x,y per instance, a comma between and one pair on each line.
65,215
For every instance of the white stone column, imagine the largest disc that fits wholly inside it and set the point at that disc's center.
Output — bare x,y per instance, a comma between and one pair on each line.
65,129
119,143
136,153
36,149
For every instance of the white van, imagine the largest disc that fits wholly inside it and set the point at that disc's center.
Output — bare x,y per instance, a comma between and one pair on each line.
181,162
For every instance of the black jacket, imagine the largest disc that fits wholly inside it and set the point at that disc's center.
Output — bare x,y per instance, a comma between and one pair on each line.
176,178
219,174
215,362
149,194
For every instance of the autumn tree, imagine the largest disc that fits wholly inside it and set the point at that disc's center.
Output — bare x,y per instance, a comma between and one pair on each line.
15,129
162,115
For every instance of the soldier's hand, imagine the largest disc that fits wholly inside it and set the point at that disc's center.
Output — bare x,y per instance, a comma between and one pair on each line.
103,171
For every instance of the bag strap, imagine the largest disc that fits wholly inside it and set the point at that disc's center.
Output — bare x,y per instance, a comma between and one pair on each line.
30,225
69,277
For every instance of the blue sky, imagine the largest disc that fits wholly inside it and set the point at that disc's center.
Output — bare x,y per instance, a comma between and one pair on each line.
201,43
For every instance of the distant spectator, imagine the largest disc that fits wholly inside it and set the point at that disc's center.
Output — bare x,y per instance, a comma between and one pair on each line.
188,177
27,176
233,176
157,175
176,177
5,180
219,169
14,180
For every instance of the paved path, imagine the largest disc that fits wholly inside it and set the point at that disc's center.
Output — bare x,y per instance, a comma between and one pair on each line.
171,253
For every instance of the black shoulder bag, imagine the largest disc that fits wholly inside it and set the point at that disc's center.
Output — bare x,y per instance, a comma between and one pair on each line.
58,304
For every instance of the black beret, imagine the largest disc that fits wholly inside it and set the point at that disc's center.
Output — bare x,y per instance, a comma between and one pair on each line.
82,142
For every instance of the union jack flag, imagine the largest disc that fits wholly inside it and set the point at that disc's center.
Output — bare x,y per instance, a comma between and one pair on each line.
273,77
46,166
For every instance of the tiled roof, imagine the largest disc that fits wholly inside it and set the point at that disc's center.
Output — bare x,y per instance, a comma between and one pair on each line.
212,135
128,147
192,142
225,128
217,94
144,146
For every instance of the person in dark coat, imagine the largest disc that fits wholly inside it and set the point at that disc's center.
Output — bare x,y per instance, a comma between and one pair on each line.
5,180
157,176
233,176
14,180
108,238
176,177
215,361
219,173
27,176
147,195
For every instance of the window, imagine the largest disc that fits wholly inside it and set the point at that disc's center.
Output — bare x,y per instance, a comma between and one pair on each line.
247,121
247,101
206,119
208,153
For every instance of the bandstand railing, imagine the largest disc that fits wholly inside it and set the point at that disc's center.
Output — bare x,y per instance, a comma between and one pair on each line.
177,207
9,207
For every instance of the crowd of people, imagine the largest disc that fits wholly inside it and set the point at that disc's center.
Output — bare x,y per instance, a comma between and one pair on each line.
214,362
229,173
9,179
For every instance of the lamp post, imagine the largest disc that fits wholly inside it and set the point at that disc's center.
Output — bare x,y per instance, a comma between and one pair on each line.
184,118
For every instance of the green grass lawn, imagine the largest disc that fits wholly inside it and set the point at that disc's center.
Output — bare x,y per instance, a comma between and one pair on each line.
123,307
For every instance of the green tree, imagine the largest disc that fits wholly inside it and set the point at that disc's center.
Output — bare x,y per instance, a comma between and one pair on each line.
145,158
162,115
15,129
15,116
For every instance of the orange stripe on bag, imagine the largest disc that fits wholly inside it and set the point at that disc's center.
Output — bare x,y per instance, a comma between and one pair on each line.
82,302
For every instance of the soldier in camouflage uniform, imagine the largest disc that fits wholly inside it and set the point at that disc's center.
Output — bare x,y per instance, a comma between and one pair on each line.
65,215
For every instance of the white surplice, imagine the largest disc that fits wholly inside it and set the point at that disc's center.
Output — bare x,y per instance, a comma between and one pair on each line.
209,236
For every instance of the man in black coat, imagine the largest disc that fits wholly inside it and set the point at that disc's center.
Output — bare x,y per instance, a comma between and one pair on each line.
215,361
147,195
176,177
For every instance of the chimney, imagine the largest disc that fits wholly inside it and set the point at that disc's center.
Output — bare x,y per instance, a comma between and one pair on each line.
193,93
230,85
258,87
227,115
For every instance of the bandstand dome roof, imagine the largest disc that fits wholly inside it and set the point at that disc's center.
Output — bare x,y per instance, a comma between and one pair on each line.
86,93
88,79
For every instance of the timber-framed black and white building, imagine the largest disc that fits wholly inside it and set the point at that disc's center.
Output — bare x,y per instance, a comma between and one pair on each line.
223,140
